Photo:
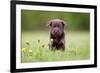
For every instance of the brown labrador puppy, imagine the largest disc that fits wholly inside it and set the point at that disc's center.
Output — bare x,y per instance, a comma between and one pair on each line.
57,35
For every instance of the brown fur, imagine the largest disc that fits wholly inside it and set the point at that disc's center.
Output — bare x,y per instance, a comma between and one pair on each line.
57,34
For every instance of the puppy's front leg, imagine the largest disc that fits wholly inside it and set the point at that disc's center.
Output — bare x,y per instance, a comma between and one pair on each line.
62,44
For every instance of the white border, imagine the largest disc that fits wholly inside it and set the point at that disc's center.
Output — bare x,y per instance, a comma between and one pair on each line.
20,65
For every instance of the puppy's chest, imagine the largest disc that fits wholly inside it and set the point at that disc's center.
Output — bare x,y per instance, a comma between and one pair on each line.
56,41
55,36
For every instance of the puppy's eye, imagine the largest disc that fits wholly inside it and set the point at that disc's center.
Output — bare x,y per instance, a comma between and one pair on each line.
54,26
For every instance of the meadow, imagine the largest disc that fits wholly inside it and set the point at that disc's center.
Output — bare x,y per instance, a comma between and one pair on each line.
34,47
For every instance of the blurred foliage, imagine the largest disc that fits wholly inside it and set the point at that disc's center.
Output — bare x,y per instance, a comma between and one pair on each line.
37,20
35,47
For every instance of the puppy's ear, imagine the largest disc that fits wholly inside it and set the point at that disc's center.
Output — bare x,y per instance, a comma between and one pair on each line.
49,23
63,23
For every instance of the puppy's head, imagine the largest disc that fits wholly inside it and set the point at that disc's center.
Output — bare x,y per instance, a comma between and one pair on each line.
56,27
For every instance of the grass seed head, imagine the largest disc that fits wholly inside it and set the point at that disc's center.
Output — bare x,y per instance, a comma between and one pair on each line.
30,51
38,41
23,49
43,46
27,42
51,40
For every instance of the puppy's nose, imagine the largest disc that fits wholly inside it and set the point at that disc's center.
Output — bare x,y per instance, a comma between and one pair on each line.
56,30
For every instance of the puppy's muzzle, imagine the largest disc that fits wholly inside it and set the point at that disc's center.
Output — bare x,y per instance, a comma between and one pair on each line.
56,32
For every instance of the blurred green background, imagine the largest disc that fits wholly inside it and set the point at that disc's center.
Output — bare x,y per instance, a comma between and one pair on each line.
37,20
35,36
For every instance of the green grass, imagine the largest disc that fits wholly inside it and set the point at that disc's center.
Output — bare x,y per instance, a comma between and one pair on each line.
35,47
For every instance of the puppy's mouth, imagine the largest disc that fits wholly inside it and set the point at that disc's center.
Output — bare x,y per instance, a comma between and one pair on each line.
56,33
